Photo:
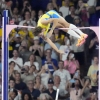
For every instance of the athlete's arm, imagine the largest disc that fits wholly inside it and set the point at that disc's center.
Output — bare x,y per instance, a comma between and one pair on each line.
53,45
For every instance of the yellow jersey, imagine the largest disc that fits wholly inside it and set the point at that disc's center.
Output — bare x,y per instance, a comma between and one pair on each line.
46,27
49,14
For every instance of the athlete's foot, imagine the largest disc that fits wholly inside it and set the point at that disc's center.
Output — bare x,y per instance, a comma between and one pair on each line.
84,36
80,41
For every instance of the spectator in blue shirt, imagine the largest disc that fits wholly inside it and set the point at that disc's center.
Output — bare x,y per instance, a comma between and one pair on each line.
35,93
52,64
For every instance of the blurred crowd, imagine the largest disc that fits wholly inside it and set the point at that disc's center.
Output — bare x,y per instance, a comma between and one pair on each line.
36,71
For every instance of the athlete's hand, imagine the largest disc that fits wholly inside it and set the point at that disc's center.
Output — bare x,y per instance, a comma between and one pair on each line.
61,52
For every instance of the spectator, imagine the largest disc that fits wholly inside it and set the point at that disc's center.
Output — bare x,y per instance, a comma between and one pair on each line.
15,12
17,60
33,15
80,6
83,12
23,46
86,93
29,74
33,70
45,96
30,89
16,41
78,76
62,88
26,6
26,34
49,6
77,21
57,4
13,95
13,74
94,47
16,15
40,13
51,63
71,64
66,48
19,85
11,68
2,4
26,96
65,9
24,52
27,19
64,74
45,75
50,91
11,84
70,18
59,37
91,3
92,72
32,61
93,95
8,6
36,48
38,84
98,11
77,92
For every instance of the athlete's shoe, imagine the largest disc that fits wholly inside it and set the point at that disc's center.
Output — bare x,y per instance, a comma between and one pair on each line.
80,41
84,36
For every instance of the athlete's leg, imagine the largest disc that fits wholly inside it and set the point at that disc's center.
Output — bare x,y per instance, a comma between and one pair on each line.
81,39
70,32
63,23
78,31
68,25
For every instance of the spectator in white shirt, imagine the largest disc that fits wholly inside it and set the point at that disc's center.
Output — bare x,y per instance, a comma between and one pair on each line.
45,76
2,4
61,87
62,73
27,16
65,9
32,61
92,2
66,48
17,60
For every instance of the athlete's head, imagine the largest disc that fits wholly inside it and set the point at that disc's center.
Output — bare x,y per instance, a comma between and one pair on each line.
38,31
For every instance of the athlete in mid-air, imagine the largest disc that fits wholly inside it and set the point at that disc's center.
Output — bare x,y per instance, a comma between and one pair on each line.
57,21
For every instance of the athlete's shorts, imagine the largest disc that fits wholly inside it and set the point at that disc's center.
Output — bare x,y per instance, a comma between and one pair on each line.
53,14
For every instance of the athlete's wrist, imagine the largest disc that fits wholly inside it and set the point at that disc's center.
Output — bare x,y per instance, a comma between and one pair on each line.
52,29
